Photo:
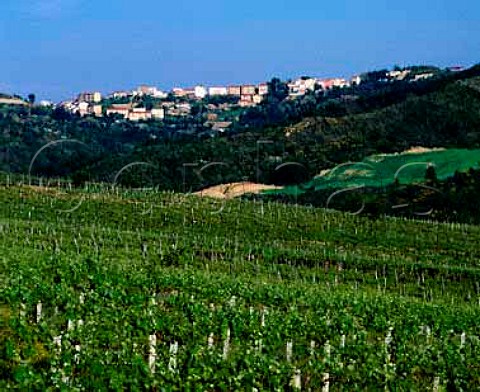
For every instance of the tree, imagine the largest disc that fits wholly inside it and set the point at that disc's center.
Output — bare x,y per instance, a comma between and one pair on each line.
31,99
277,91
431,174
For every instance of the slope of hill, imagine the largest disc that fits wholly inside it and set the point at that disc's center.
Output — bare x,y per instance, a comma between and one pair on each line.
137,291
381,170
449,116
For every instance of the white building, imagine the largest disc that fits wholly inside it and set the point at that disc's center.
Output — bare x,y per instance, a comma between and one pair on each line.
179,92
217,91
158,113
91,97
150,91
83,108
96,110
356,80
137,114
327,84
423,76
263,89
200,92
399,75
159,94
184,106
120,109
119,94
257,99
300,87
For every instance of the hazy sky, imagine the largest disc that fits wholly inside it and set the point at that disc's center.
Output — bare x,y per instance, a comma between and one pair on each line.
56,48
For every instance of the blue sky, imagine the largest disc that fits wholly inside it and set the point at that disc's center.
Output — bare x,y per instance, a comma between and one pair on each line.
56,48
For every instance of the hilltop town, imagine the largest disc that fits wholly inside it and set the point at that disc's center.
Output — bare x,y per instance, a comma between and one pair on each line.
220,104
179,101
207,111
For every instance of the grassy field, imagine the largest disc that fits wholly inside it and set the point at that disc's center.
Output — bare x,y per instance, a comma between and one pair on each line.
159,291
381,170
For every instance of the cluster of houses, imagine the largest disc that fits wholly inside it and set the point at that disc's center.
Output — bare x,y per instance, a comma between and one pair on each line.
302,86
251,95
168,104
403,74
132,113
248,95
90,103
85,104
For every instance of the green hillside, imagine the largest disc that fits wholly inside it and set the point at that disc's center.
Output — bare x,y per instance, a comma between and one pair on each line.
119,290
381,170
447,117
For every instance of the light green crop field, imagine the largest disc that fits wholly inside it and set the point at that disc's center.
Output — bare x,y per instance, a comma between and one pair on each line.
381,170
160,291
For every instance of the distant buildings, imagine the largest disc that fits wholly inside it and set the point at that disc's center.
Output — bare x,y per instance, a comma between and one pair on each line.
158,113
120,109
423,76
83,108
327,84
90,97
221,126
120,94
144,90
216,91
248,89
247,94
257,99
149,91
190,93
234,90
246,101
218,126
301,86
181,99
178,92
137,114
89,102
177,109
131,113
398,75
200,92
355,80
96,110
263,89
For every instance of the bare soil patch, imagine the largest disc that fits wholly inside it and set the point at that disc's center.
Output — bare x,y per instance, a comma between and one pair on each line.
236,189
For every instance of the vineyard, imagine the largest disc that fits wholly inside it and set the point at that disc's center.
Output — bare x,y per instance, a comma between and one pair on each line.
142,290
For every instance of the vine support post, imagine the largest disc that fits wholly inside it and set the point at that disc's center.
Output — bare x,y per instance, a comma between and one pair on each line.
226,345
172,364
152,352
39,311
